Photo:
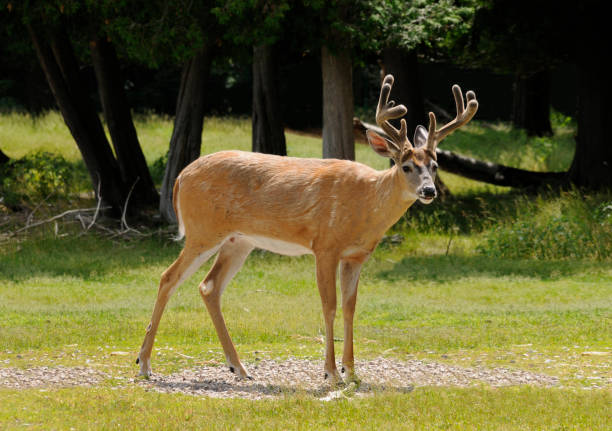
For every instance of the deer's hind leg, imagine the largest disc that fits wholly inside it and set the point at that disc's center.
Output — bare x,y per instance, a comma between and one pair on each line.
232,255
191,258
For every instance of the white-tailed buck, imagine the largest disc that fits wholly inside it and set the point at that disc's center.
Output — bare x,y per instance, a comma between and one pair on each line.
338,210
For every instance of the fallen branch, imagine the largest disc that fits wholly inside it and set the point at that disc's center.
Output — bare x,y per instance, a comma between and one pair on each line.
54,218
31,215
479,170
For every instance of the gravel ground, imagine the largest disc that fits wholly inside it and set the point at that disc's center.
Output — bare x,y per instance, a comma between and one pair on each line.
278,378
41,377
274,378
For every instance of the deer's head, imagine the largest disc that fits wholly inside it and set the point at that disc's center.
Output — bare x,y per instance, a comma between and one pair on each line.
418,161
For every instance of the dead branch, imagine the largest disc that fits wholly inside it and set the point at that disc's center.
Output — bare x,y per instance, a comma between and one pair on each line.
95,216
54,218
124,224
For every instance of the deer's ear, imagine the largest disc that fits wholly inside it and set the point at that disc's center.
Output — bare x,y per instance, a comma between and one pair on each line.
420,136
382,146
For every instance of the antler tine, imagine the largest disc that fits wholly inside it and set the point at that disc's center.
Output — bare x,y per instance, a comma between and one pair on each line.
387,110
458,95
464,115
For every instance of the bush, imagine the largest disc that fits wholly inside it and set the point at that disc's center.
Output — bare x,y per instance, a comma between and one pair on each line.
41,176
158,168
569,227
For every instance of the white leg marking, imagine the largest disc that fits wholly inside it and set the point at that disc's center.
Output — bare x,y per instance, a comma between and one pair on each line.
207,287
197,262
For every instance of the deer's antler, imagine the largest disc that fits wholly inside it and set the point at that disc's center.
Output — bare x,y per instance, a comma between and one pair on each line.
464,115
385,111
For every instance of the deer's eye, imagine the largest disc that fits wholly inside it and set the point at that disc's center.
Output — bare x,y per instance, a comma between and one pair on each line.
406,168
434,167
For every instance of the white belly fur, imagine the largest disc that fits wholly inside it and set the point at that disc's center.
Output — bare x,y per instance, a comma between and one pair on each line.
278,246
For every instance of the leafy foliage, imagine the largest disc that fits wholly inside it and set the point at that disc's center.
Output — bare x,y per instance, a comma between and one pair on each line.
41,176
158,168
419,22
155,32
253,21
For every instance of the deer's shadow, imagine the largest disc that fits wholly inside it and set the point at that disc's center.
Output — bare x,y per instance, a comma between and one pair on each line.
235,388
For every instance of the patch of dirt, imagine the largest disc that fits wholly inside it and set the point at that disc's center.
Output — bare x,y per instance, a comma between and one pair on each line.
276,378
54,377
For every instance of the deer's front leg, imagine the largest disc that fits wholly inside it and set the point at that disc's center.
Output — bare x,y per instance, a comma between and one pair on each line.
349,280
326,281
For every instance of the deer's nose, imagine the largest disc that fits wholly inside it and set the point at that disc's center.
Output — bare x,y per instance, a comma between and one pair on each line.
428,192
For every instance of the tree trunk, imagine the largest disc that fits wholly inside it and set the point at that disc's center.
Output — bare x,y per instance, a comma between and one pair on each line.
186,138
592,164
61,70
337,72
268,134
132,164
531,104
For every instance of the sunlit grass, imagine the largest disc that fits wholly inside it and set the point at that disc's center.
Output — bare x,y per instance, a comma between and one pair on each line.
22,134
424,409
497,142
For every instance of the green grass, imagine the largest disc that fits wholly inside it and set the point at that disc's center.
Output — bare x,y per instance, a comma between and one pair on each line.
424,409
443,295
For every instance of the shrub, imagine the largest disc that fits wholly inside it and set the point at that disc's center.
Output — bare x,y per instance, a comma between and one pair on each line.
41,176
569,227
158,168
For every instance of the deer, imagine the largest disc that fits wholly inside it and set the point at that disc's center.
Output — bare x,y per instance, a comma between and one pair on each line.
231,202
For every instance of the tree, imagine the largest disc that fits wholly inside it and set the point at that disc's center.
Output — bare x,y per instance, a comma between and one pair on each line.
167,33
186,140
507,30
60,66
409,30
132,164
511,37
268,135
55,30
531,103
257,25
592,164
337,72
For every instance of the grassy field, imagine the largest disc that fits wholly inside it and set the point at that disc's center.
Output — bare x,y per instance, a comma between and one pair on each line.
462,289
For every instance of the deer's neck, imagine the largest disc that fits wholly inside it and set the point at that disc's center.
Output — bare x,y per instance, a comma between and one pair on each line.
395,196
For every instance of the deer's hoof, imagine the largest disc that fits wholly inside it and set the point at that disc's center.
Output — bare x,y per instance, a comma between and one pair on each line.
145,368
240,372
334,378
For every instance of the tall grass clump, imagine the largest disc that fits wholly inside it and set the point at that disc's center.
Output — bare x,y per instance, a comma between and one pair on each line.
570,226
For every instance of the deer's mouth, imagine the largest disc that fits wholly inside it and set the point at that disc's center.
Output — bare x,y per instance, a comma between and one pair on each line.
426,200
